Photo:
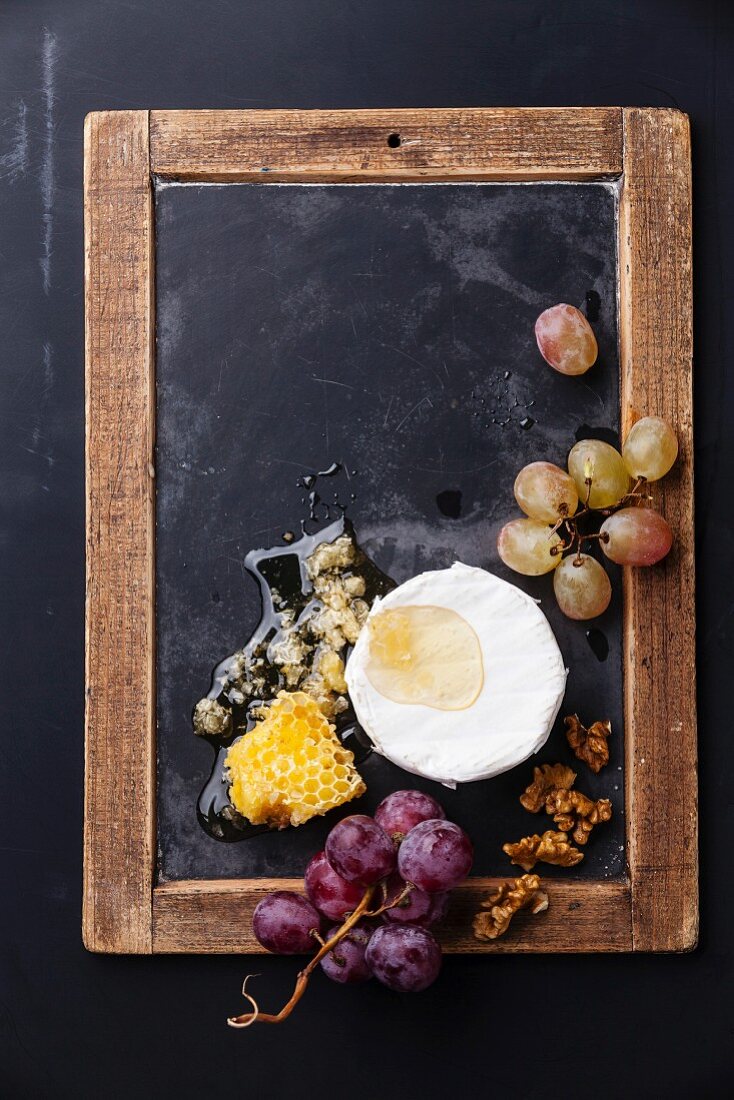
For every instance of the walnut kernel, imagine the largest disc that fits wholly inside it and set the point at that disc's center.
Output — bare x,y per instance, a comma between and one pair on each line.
546,778
505,901
551,847
572,810
589,745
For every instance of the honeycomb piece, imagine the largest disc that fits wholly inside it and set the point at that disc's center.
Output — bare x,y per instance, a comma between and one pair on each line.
291,766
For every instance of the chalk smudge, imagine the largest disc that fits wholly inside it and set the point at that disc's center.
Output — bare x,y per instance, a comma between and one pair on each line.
47,174
44,398
14,163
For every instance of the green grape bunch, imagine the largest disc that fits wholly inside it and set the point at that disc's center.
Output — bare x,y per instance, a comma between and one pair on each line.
600,483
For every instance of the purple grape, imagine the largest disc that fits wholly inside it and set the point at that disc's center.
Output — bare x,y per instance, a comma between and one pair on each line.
435,856
332,895
401,811
360,851
418,907
283,923
403,957
346,962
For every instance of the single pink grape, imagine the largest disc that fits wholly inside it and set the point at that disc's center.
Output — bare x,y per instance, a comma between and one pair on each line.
636,536
566,340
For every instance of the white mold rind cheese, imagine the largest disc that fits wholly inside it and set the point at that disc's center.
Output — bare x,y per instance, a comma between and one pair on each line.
524,683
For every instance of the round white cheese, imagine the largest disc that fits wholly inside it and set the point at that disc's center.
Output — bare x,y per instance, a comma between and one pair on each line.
511,717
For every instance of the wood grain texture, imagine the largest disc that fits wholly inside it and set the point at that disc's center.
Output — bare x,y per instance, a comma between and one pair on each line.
119,841
494,143
215,916
660,682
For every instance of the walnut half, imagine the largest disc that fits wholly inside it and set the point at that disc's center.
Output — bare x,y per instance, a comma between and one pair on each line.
505,901
551,848
572,810
546,778
589,745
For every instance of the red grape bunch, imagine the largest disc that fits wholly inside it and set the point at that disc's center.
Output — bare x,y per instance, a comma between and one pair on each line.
380,884
561,506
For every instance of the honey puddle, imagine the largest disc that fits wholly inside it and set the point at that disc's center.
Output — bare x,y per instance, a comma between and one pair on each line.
249,677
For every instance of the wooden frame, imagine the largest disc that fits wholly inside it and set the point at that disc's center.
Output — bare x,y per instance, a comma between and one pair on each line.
655,908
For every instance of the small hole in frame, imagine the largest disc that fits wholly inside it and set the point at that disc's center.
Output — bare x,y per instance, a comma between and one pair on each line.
393,140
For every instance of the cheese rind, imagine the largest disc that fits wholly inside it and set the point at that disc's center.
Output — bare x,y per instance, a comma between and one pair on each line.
524,683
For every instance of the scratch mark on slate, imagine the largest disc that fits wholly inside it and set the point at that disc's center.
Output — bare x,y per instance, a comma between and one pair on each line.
12,1029
415,408
14,163
333,382
31,451
326,418
387,414
47,175
593,392
282,461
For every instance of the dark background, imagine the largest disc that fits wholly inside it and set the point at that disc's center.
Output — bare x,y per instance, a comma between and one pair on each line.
72,1024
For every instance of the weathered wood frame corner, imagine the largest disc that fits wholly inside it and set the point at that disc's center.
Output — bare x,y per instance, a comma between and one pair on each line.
655,908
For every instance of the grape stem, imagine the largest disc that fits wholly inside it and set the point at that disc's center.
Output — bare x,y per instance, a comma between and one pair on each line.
572,537
402,896
249,1018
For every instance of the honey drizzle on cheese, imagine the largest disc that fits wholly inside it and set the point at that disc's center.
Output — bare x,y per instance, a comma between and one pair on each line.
427,655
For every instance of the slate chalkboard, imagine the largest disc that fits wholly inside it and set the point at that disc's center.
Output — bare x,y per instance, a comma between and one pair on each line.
390,329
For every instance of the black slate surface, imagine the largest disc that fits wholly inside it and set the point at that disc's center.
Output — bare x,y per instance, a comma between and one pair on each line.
389,329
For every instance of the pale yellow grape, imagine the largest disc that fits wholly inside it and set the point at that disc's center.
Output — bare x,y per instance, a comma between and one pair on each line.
526,546
603,464
581,586
546,492
650,449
